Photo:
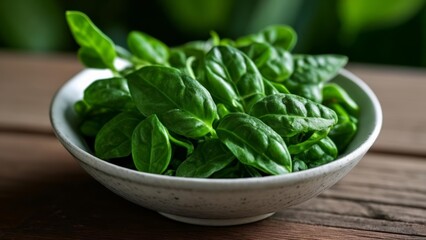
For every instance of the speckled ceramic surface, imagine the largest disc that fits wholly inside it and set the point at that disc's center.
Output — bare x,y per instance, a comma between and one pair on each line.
215,202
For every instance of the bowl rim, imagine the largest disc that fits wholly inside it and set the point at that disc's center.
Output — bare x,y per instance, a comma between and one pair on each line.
234,184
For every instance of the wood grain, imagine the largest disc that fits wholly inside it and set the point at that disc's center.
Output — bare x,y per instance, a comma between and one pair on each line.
401,92
27,84
48,196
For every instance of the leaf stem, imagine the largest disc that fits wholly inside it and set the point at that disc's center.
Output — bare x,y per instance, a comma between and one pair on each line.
189,62
213,133
189,147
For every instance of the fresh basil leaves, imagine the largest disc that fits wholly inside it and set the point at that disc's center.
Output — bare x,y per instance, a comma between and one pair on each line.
96,49
181,102
213,109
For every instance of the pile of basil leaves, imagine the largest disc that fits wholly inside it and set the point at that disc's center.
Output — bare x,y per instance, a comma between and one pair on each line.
219,108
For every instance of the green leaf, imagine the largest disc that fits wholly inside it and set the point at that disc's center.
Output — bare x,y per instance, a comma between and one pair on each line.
148,48
250,171
290,114
90,58
254,143
307,90
196,50
114,138
279,36
333,93
306,144
311,72
209,157
232,78
275,64
95,43
94,122
345,129
184,123
184,143
299,165
269,87
321,153
273,87
81,108
222,111
281,88
314,69
151,148
110,93
175,98
233,170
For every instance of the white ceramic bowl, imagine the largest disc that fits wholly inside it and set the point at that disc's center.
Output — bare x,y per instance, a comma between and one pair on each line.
216,202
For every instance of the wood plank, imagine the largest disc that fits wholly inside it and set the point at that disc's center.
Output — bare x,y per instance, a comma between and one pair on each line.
153,226
28,82
401,93
373,180
33,169
383,193
352,222
48,196
396,214
399,173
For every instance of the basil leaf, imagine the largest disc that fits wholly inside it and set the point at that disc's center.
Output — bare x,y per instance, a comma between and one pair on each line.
184,123
299,165
111,93
151,148
175,98
306,144
275,64
82,108
233,170
93,122
290,114
279,36
321,153
251,171
333,93
254,143
90,58
147,48
281,88
209,157
310,91
179,56
345,129
96,45
311,72
232,78
274,87
316,68
114,138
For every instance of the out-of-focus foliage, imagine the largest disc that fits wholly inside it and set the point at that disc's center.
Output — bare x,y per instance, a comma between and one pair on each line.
37,25
364,30
195,16
359,15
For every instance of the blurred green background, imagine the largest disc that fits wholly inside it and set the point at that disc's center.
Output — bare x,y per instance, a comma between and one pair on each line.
373,31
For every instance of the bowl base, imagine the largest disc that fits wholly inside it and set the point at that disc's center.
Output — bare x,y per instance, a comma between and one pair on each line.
215,221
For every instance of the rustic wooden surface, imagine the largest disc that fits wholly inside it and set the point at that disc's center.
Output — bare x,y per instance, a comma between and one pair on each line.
44,194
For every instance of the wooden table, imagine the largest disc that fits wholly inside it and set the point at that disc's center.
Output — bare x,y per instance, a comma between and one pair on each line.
44,194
